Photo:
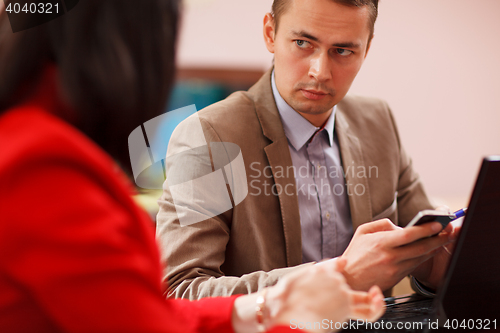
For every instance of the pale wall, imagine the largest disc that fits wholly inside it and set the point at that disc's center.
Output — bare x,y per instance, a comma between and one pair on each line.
437,62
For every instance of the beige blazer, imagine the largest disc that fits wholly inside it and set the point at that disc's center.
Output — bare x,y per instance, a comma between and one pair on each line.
259,240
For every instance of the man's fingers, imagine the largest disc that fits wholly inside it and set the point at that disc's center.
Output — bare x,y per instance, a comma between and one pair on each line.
422,247
376,226
448,228
453,237
455,232
412,234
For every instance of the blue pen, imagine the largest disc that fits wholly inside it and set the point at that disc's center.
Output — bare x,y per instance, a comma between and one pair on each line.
459,213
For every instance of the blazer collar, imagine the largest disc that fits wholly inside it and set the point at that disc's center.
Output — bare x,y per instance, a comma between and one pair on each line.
278,155
265,107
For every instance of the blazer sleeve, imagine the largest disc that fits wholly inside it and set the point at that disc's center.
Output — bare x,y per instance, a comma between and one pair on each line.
194,250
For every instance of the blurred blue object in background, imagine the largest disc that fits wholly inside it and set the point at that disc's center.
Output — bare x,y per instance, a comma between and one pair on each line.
148,143
148,146
200,92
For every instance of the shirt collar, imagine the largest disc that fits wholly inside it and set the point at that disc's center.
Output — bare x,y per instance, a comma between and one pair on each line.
299,130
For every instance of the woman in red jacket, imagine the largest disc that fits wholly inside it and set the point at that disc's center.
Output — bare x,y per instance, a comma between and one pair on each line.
76,253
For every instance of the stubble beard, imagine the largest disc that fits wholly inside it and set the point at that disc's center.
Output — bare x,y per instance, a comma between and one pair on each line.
303,105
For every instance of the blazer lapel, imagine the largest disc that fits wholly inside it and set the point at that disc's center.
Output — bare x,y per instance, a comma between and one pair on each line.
279,158
353,164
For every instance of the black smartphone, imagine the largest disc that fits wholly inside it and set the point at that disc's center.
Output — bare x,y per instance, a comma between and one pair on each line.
426,216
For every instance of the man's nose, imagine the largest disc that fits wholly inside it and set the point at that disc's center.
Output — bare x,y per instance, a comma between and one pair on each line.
320,67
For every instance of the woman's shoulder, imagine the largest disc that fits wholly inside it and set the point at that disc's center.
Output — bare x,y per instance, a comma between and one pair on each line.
40,149
30,136
29,132
50,170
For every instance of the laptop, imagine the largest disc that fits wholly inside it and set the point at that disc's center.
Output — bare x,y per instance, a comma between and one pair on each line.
469,299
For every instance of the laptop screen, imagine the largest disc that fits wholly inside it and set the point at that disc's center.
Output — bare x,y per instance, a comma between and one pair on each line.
471,289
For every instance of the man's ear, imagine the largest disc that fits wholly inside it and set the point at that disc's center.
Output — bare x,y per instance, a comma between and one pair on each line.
269,32
368,46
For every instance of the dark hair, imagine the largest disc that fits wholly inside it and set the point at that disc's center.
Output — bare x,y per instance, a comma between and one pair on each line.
280,6
116,62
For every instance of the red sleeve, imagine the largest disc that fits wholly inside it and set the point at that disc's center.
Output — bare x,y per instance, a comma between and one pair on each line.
76,257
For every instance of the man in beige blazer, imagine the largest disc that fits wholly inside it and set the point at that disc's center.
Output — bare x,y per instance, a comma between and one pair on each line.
318,51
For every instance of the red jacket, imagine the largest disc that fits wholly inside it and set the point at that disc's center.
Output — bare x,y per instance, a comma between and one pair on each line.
76,253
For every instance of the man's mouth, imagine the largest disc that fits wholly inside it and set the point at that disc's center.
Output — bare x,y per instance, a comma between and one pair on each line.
313,94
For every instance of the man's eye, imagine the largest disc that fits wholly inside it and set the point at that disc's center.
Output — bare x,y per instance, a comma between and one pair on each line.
301,43
344,52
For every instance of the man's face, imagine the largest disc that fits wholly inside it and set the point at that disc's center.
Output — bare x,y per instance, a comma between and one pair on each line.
318,49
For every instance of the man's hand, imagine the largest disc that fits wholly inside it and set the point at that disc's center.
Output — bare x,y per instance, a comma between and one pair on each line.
381,253
431,272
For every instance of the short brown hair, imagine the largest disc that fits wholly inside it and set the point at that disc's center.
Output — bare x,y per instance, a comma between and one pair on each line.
280,6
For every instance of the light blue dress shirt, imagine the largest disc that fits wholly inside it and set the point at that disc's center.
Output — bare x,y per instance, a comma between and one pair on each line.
325,217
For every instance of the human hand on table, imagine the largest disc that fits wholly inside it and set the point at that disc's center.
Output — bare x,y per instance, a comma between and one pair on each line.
313,294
